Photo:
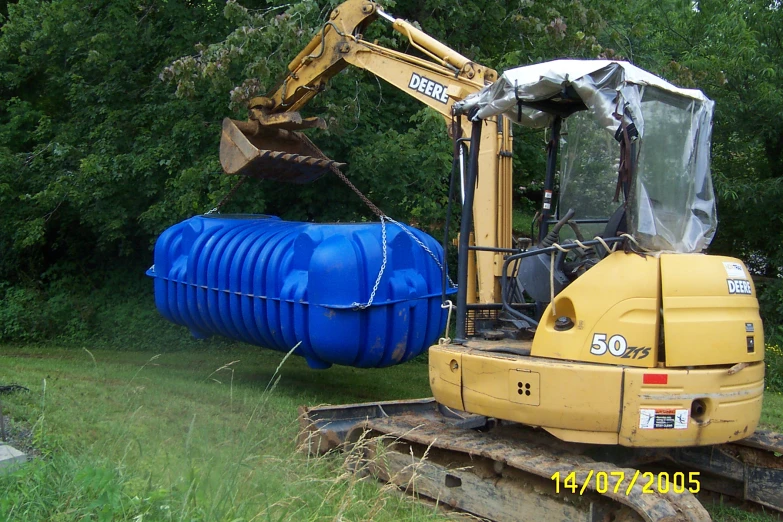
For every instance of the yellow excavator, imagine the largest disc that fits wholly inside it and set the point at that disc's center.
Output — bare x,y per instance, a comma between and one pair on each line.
608,378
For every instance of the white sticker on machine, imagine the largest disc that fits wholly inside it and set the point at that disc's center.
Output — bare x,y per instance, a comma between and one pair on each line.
663,419
734,269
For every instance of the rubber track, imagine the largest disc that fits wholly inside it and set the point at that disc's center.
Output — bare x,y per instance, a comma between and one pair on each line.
542,462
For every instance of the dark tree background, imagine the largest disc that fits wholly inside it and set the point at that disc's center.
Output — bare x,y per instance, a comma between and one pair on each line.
110,121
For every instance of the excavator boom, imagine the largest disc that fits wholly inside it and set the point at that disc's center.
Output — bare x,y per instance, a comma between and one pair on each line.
271,144
275,148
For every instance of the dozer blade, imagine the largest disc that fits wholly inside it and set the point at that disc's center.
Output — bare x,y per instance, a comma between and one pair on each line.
250,149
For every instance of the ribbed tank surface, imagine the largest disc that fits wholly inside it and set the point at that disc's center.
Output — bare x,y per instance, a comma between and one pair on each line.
276,283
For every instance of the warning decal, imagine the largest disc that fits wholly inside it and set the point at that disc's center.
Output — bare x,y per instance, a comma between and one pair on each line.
734,270
663,419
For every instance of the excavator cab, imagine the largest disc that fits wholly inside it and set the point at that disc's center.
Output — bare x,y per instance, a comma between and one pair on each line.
630,153
631,336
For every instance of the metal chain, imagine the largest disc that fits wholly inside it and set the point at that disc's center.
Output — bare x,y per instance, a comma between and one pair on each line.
228,196
383,217
378,212
380,272
422,245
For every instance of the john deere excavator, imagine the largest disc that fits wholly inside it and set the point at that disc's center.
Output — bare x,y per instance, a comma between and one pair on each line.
608,378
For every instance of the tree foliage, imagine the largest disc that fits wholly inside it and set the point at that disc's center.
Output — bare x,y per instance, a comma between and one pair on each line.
90,137
110,114
733,51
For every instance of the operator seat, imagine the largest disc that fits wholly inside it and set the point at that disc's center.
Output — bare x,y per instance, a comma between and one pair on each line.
617,223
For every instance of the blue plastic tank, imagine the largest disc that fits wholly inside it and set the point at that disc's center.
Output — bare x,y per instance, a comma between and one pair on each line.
276,283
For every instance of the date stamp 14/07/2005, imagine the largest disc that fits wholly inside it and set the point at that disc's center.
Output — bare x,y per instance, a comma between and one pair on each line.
618,482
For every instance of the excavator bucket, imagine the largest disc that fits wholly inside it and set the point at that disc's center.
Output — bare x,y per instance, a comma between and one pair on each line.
250,149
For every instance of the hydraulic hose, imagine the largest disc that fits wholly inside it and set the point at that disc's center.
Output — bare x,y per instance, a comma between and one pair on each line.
466,225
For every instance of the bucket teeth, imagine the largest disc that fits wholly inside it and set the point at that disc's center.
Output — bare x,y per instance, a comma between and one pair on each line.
279,155
292,168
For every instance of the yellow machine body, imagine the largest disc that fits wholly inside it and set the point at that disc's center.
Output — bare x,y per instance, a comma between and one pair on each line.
643,350
664,351
659,352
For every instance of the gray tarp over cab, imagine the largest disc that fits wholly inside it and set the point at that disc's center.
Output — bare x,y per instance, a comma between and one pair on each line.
671,205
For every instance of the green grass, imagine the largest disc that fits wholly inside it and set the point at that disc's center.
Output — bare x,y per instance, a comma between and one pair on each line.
128,435
144,423
772,412
521,220
731,513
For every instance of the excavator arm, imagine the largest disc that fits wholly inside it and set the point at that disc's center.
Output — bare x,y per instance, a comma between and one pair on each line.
340,43
269,144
